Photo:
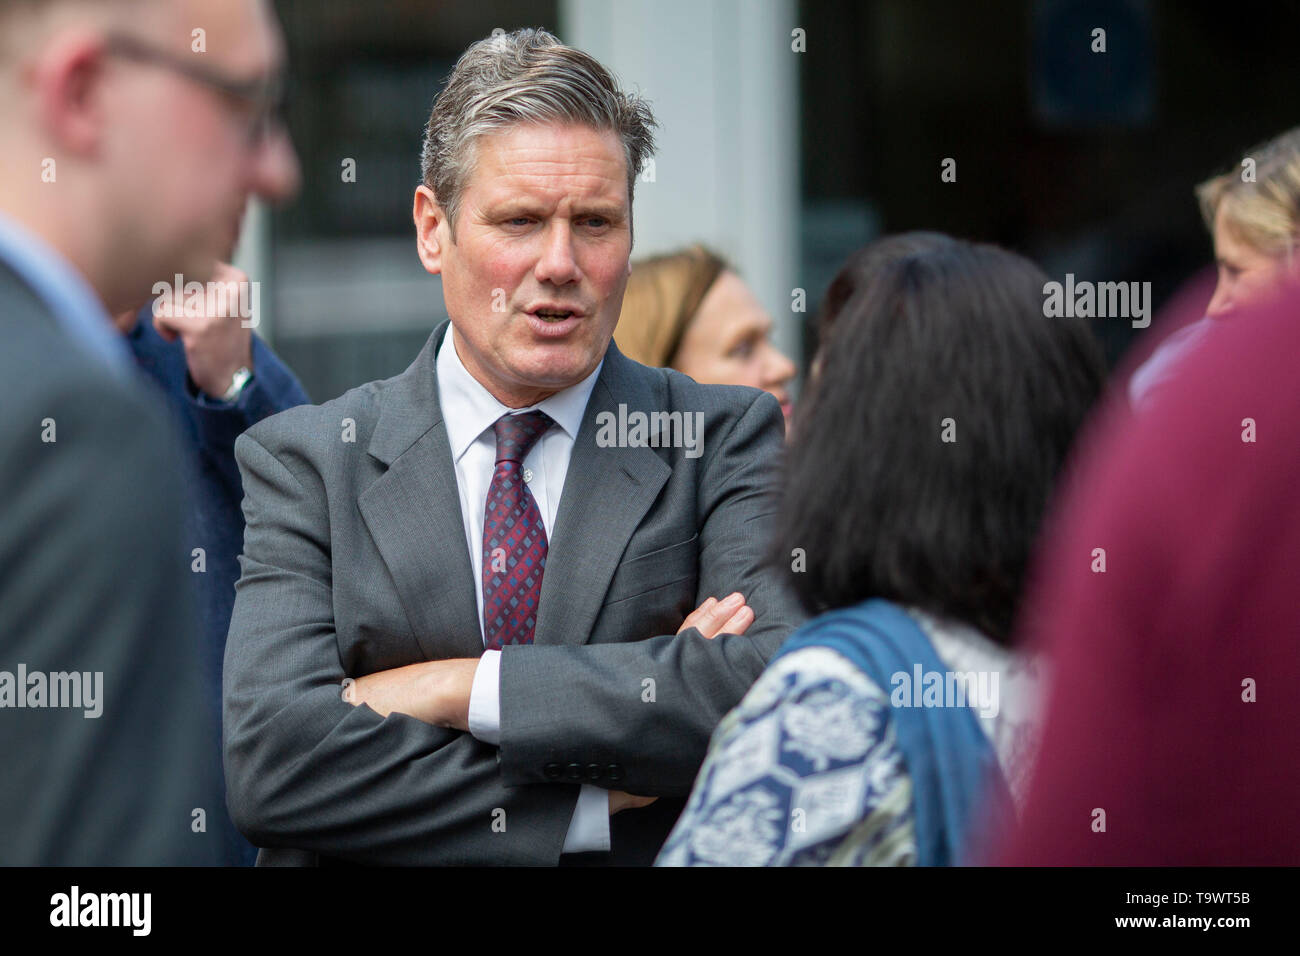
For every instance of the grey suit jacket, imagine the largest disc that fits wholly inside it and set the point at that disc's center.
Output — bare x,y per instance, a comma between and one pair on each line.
95,579
355,561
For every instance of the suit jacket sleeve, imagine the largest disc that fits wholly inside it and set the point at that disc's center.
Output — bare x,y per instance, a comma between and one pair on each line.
272,389
586,704
307,770
94,579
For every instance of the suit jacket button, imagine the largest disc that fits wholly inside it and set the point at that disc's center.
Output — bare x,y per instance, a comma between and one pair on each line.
575,771
552,771
615,772
594,771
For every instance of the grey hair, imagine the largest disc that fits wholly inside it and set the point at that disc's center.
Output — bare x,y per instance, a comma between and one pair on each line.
527,76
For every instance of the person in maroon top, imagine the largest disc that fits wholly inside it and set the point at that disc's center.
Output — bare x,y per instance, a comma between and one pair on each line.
1172,728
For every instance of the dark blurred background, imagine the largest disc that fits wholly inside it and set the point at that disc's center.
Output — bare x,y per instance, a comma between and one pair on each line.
787,161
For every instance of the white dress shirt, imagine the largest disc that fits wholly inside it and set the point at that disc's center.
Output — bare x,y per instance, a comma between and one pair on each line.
469,411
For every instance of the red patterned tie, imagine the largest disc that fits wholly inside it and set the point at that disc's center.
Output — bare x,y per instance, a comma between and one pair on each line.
514,538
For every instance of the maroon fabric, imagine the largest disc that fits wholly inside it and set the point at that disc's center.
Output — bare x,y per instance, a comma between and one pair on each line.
1201,592
514,537
1185,306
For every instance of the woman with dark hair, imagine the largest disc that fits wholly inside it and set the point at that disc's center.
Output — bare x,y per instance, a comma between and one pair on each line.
892,723
863,266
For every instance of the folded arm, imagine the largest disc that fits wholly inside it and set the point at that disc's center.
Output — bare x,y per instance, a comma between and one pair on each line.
587,704
308,770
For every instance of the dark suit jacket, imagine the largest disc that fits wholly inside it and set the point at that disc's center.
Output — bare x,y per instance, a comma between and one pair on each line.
214,521
355,561
94,577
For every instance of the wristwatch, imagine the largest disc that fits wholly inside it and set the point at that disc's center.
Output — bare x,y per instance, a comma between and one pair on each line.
237,383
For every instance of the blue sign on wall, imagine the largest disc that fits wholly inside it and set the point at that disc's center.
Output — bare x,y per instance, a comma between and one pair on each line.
1092,63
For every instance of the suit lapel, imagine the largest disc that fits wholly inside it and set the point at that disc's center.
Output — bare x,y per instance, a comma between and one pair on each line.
413,513
607,491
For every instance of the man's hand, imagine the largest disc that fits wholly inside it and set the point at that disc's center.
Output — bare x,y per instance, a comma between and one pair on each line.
619,801
436,692
728,616
216,346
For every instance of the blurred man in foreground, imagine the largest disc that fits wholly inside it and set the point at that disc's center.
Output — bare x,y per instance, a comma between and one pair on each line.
127,154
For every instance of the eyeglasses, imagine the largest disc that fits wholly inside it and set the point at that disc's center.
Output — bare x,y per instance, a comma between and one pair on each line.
262,99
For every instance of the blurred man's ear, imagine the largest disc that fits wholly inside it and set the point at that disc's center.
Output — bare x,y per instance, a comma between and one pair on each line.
67,79
430,233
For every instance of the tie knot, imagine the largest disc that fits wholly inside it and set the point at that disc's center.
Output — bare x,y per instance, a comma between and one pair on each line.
516,434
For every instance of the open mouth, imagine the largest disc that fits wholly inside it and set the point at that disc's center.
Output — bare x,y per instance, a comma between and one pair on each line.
552,322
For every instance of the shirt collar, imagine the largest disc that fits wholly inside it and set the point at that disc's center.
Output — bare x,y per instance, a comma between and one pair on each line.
469,409
65,292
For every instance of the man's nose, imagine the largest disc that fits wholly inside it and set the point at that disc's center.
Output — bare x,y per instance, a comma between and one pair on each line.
276,173
557,263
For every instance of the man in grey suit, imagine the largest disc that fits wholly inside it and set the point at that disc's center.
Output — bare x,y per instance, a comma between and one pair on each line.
113,171
455,634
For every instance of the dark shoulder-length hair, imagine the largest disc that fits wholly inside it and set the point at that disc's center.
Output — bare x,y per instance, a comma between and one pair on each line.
926,447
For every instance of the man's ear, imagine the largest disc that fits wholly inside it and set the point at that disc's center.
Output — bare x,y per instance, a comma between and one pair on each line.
429,229
67,79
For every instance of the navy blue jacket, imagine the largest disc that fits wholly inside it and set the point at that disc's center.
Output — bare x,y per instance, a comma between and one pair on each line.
215,521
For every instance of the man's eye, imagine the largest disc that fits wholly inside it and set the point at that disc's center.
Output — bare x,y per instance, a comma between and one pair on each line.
518,221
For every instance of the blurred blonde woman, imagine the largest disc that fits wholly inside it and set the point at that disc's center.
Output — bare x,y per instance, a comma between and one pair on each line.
1255,224
689,310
